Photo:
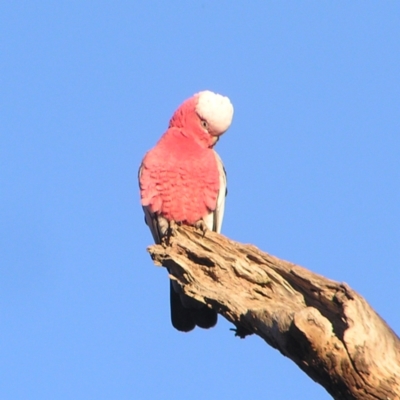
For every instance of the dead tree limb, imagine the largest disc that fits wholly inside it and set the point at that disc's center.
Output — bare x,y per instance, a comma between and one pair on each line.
325,327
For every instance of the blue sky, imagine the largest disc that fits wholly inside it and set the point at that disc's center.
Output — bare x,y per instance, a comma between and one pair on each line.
86,88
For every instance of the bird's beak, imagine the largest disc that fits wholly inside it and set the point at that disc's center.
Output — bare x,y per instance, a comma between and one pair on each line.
214,141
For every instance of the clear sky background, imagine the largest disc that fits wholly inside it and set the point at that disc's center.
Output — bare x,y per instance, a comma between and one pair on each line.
87,87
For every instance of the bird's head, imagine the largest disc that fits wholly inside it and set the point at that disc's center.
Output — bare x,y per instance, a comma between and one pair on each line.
205,116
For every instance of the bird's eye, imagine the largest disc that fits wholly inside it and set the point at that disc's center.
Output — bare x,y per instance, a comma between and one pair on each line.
204,124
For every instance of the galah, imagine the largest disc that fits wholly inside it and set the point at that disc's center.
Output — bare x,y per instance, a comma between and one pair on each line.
182,179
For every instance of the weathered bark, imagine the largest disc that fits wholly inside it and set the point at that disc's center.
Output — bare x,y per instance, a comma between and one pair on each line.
325,327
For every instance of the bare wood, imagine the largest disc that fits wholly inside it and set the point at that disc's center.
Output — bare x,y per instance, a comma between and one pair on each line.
325,327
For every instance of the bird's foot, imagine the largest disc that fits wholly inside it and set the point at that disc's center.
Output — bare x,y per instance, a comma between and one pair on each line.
201,225
172,225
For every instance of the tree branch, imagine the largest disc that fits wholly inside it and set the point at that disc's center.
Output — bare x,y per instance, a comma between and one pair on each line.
325,327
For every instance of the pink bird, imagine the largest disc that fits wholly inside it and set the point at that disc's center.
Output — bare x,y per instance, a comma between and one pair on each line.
182,179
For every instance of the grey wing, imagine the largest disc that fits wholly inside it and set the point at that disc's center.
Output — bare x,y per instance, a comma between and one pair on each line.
213,220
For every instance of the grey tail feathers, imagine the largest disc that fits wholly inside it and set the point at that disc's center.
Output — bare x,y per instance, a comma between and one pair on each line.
185,319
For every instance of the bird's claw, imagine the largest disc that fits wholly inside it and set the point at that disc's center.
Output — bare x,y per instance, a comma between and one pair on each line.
201,225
